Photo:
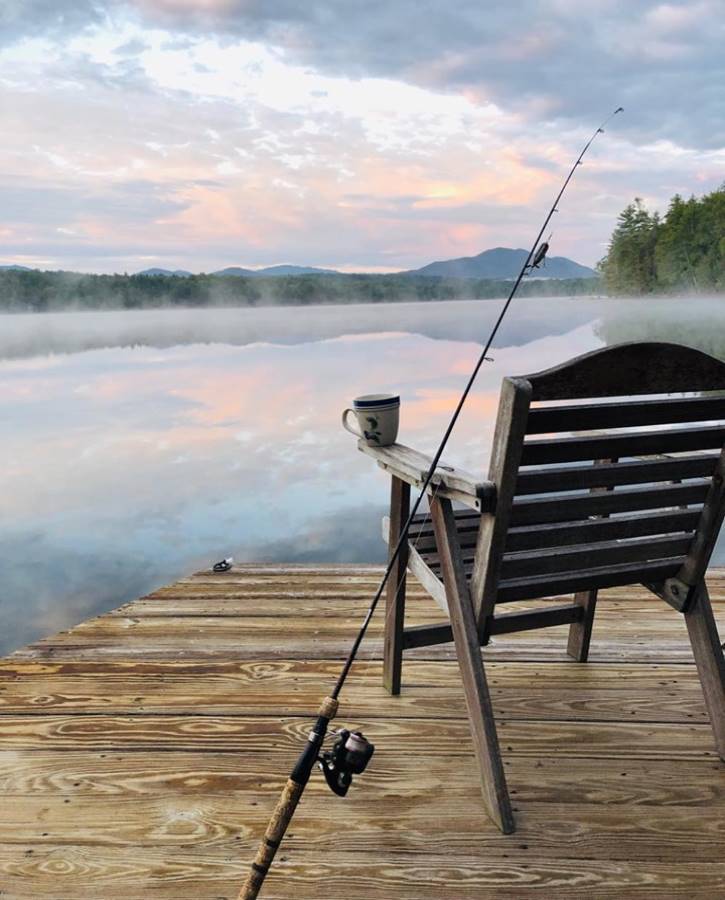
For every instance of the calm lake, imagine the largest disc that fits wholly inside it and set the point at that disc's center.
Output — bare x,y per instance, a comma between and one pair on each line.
140,446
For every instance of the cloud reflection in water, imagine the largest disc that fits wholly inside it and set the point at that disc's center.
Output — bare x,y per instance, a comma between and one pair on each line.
127,467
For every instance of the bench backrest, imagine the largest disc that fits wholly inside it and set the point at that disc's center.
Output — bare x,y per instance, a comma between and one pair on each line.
618,487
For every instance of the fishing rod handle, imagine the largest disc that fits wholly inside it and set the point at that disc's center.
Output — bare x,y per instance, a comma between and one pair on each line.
287,803
276,828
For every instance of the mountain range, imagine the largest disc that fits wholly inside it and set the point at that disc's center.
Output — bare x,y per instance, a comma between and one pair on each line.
239,272
503,262
499,263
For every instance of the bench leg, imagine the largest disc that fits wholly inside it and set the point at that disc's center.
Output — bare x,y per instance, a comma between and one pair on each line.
468,651
395,590
580,633
710,663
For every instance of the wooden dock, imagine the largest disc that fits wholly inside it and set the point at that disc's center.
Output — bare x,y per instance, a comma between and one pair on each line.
142,752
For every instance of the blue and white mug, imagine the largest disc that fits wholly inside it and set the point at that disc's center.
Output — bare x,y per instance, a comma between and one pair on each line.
377,417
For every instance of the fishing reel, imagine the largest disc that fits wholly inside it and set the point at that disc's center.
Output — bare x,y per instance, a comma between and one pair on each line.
349,756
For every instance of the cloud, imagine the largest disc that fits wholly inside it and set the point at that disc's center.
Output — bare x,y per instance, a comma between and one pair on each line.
55,18
208,134
561,60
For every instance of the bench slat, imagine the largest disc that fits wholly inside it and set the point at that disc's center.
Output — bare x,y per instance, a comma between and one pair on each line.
590,579
622,527
567,533
542,561
572,507
571,478
521,564
550,419
618,446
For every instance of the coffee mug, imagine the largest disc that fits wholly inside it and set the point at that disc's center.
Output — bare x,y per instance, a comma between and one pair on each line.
377,418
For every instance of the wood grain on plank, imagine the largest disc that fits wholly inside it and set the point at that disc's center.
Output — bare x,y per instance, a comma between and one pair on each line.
282,734
204,774
141,753
48,873
460,826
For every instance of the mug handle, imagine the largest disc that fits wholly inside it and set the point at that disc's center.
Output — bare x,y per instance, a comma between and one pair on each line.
348,427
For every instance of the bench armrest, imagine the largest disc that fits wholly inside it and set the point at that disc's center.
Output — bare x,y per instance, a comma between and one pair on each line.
455,484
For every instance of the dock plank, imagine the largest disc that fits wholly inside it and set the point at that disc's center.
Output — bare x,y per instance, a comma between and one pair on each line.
181,712
188,875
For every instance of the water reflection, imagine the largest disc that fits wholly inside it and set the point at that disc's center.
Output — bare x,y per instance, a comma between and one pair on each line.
128,466
33,335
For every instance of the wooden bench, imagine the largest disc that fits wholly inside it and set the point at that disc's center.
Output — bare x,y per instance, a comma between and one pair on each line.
620,487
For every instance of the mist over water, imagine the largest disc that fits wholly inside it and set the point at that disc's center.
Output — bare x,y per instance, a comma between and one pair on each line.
33,334
140,446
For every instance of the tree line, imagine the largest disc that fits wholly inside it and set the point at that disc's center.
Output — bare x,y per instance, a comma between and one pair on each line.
40,291
684,250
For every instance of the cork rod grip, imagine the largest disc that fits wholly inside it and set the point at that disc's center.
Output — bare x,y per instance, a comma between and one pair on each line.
281,817
287,803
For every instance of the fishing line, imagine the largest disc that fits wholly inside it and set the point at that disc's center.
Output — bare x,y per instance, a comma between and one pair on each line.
535,257
351,752
419,534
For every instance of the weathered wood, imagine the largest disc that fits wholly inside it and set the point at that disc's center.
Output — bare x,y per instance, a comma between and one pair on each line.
584,556
640,443
631,368
523,564
707,531
708,654
422,535
586,579
395,591
508,623
180,821
621,528
573,507
350,874
280,738
636,471
427,635
428,578
623,414
170,753
582,532
468,652
448,481
519,691
580,633
505,455
642,787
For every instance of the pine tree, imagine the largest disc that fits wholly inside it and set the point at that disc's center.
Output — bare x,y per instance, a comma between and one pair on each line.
629,266
685,251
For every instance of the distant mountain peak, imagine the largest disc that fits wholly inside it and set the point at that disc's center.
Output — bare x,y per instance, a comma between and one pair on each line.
154,270
503,263
274,271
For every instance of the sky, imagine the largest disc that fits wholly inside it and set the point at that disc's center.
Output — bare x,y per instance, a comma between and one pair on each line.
359,135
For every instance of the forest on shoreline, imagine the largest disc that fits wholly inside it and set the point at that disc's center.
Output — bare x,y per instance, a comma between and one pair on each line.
39,291
682,251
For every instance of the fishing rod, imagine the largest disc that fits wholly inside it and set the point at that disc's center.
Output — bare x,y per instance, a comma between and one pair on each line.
352,751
